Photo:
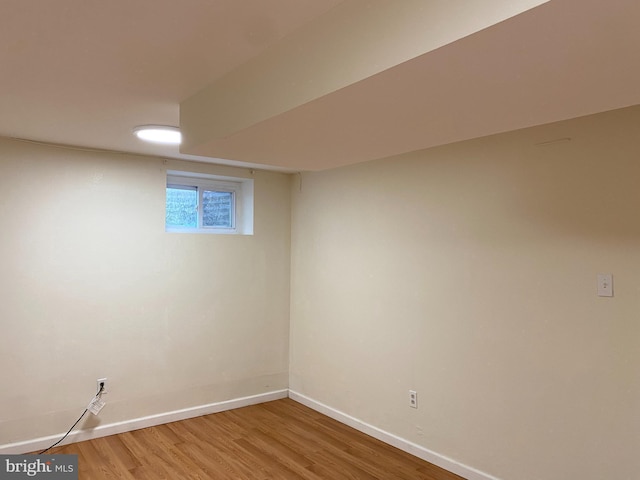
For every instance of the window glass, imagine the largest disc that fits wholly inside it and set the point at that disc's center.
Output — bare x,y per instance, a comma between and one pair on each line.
203,203
217,209
182,206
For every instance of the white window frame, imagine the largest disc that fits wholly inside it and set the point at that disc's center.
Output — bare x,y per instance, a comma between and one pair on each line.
242,205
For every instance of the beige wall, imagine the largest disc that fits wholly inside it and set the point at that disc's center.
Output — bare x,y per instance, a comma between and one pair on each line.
92,286
467,273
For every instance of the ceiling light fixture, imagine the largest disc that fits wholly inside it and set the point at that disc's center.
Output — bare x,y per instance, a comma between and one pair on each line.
159,134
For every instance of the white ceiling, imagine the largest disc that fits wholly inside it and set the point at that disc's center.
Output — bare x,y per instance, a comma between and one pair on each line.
84,73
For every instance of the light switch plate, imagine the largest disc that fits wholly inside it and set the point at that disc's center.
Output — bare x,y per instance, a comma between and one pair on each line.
605,285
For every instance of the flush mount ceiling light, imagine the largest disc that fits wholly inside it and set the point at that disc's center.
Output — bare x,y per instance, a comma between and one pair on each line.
159,134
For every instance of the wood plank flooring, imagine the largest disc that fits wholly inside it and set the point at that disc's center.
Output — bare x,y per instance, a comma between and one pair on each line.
275,440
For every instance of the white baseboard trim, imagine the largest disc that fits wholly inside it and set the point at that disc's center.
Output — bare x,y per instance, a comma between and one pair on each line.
138,423
442,461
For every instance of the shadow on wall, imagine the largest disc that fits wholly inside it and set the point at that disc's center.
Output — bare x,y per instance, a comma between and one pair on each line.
586,186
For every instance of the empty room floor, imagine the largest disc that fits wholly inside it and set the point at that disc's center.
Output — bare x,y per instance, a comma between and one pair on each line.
276,440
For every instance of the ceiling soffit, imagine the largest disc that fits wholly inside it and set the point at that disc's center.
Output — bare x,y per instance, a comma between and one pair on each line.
352,42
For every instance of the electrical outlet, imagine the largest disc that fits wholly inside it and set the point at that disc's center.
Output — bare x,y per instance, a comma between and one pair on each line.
99,382
413,399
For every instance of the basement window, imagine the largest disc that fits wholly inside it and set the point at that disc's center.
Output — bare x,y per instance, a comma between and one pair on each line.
199,203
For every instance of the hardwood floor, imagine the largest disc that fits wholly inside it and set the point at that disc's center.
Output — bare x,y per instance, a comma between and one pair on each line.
275,440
